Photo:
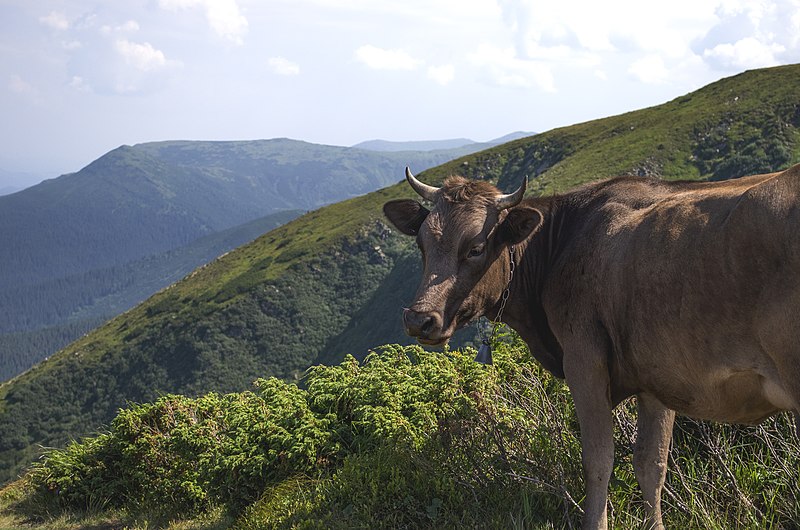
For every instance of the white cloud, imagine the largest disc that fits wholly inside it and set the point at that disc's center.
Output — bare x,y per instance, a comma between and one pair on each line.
745,53
79,84
453,12
71,45
752,34
55,20
25,90
650,69
142,56
226,20
658,43
608,26
19,86
282,66
223,16
506,69
107,57
129,26
381,59
442,74
571,35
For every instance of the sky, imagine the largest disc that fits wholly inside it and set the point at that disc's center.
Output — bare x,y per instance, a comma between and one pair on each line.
80,77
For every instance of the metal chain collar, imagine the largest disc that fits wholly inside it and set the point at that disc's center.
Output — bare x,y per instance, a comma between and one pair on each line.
485,351
506,293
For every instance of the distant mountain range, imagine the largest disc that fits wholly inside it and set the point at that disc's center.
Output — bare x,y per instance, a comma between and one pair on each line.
333,281
82,247
14,181
434,145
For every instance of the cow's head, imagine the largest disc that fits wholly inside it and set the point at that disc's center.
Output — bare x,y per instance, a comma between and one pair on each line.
464,241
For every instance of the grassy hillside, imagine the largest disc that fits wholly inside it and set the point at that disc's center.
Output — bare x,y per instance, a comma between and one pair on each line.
333,281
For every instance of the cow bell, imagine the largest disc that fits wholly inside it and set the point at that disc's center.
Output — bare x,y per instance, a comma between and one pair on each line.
484,353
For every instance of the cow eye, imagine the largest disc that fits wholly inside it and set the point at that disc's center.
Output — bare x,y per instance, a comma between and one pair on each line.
475,251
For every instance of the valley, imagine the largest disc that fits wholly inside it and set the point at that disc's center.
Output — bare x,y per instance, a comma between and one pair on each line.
90,245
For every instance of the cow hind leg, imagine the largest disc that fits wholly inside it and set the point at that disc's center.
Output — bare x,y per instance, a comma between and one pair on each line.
654,432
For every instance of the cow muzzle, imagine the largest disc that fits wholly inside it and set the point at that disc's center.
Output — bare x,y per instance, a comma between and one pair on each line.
426,326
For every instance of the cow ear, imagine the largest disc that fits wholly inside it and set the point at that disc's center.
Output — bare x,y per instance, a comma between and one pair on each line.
520,223
405,214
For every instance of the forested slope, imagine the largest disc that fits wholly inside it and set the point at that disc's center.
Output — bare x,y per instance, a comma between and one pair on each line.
66,308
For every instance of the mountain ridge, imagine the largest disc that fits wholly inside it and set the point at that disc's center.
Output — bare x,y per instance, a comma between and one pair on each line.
414,145
437,145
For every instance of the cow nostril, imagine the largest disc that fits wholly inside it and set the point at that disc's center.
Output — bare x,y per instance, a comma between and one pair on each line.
420,324
427,324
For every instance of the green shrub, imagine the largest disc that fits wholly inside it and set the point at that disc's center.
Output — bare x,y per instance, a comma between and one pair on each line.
410,439
181,456
436,440
82,477
398,395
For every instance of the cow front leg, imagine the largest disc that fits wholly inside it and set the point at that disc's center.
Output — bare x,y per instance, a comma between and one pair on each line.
654,432
590,387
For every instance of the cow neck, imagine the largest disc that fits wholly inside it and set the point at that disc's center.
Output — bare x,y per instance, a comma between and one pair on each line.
534,259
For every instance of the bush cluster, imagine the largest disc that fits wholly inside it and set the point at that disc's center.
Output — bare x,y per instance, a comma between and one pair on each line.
407,439
183,455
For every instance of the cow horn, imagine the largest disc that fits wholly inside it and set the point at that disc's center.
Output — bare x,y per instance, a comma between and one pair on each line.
426,192
512,199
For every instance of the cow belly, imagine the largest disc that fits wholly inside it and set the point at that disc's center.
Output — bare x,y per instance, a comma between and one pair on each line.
729,397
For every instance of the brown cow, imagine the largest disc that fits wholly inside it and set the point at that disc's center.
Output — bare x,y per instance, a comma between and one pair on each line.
683,294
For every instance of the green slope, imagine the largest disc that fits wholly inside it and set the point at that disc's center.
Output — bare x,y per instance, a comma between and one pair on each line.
333,281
